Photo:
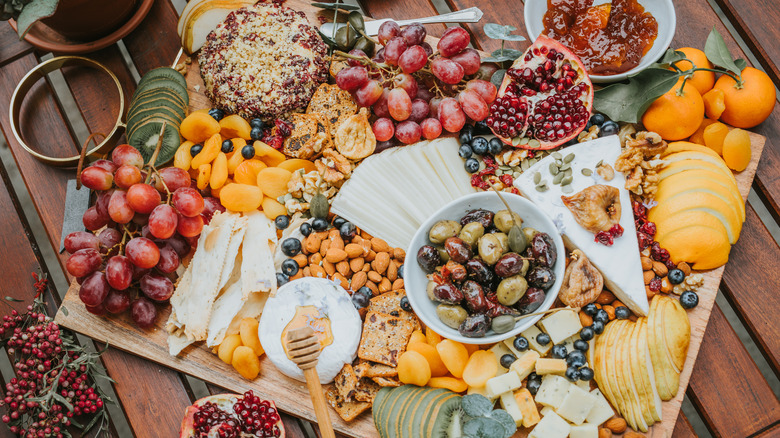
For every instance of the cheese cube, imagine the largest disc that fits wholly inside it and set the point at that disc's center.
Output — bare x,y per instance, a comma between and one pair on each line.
584,431
498,351
601,410
546,410
525,401
501,384
552,391
576,405
477,390
550,366
525,364
560,325
509,343
585,386
509,404
551,426
530,333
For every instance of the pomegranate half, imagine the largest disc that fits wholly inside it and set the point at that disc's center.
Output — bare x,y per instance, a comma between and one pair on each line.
232,416
545,98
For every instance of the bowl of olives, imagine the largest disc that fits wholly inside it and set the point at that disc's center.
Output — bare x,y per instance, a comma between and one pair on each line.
476,267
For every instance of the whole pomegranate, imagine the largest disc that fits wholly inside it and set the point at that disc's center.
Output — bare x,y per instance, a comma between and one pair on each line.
545,98
232,416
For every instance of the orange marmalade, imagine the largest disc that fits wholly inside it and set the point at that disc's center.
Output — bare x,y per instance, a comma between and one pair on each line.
608,38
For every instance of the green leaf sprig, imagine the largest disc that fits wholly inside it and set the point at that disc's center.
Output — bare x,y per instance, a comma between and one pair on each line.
502,33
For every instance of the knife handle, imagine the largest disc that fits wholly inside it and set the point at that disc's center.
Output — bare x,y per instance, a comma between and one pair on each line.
469,15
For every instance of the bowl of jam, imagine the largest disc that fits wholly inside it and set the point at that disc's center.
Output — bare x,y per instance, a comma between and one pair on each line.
613,39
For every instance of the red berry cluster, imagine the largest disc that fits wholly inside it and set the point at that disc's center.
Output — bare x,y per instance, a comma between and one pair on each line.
645,231
608,237
250,415
142,236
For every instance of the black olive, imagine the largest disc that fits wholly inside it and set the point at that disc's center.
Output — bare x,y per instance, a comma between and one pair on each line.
428,258
484,217
532,300
543,250
540,277
479,272
291,246
475,326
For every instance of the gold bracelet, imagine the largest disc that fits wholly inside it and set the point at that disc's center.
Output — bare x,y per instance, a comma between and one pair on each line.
40,71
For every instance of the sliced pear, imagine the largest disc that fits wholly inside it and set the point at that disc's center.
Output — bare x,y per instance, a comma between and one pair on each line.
657,356
600,367
673,186
615,375
686,146
685,165
698,200
677,332
624,362
634,365
646,372
608,377
641,377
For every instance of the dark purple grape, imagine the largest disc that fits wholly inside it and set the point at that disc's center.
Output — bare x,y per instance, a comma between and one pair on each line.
139,272
479,272
143,312
83,262
543,250
484,217
156,287
475,297
179,244
541,277
475,326
81,240
169,260
94,289
458,250
98,310
93,220
448,293
428,258
414,34
117,301
101,205
509,264
532,300
119,272
387,31
108,238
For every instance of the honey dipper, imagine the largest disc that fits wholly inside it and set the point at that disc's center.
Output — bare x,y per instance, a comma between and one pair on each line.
303,348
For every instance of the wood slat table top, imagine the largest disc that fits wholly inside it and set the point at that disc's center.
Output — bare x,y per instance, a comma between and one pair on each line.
727,389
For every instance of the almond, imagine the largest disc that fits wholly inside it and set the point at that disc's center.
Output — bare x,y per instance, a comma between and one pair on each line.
335,255
399,254
610,311
585,319
649,276
358,280
647,263
385,285
301,260
297,275
379,245
329,267
356,264
371,285
605,433
398,284
392,271
666,286
312,243
324,247
341,280
605,297
315,259
333,233
616,425
660,269
365,235
632,434
374,276
618,303
366,245
337,242
649,293
381,262
343,268
366,267
685,268
353,250
306,271
370,256
317,271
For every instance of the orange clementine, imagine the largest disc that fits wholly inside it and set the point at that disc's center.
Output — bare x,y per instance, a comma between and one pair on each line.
748,103
702,80
677,114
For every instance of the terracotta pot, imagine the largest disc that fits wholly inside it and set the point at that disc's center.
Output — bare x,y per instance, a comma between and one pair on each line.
88,20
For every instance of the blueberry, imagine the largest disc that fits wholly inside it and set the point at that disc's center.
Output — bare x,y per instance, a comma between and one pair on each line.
479,145
520,343
601,316
401,272
494,146
573,374
319,224
289,267
622,312
507,360
558,351
348,231
291,246
365,290
597,119
466,133
248,152
586,334
305,229
195,149
581,345
676,276
256,134
338,221
576,359
360,299
590,309
282,221
227,146
598,327
534,376
609,128
481,128
543,339
471,165
216,113
465,151
405,305
689,299
533,386
257,123
281,279
586,374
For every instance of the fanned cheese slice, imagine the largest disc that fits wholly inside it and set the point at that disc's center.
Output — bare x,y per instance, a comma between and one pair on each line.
257,266
619,264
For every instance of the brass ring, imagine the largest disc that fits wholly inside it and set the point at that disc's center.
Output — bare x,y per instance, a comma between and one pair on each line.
39,72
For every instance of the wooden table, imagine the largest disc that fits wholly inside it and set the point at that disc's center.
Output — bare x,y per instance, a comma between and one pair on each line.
727,389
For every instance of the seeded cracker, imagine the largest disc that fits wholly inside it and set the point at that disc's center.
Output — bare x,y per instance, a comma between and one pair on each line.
346,382
371,369
366,391
384,381
333,103
310,136
390,303
348,411
384,338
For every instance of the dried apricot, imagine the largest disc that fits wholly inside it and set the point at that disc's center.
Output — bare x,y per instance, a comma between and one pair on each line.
413,369
247,329
246,172
227,347
198,127
269,155
246,362
431,355
698,136
241,197
481,366
182,158
234,160
219,173
714,103
471,348
294,164
210,150
454,355
215,192
451,383
417,336
432,337
736,149
204,173
272,208
273,181
235,126
714,135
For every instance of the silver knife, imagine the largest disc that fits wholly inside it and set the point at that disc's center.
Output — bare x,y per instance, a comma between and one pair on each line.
470,15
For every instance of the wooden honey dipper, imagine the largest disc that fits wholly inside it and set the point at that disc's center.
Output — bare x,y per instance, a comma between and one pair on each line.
303,348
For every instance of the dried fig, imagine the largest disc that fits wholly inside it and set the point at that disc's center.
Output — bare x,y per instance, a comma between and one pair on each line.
582,282
596,208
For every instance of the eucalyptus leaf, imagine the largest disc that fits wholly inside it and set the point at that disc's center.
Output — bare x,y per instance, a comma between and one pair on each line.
12,299
502,55
335,6
498,77
500,32
64,310
32,12
741,64
626,102
506,420
717,52
476,405
671,56
482,427
62,400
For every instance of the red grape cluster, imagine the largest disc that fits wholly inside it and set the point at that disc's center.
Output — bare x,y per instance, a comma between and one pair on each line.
416,93
142,236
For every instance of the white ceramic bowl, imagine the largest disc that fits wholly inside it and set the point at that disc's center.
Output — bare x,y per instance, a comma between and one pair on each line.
416,281
662,10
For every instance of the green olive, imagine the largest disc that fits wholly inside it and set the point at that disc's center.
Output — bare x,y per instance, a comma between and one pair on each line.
366,45
471,233
355,18
490,249
511,289
517,240
444,255
443,230
346,37
451,315
429,290
503,323
524,269
504,239
503,220
529,233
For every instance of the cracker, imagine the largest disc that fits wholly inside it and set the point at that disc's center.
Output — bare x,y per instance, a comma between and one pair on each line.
371,369
346,382
384,338
310,136
348,411
390,303
366,390
385,381
333,103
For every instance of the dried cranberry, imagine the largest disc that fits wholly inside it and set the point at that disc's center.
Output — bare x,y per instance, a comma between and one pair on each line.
284,127
670,265
655,284
659,254
616,230
640,211
648,228
604,238
644,240
507,179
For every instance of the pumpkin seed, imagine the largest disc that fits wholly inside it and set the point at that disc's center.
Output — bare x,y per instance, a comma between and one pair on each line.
558,178
557,155
568,158
516,174
541,188
567,172
566,166
587,172
567,189
534,143
524,165
553,169
558,163
516,141
499,172
566,180
599,163
537,177
524,140
532,161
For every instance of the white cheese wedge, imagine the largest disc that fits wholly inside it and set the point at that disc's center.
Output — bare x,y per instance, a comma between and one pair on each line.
525,364
552,391
499,350
620,262
501,384
584,431
530,334
546,410
585,386
551,426
576,405
601,410
509,404
561,325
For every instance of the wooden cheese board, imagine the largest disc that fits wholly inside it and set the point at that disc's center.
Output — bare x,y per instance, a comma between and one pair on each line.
291,396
